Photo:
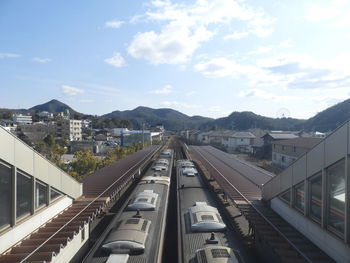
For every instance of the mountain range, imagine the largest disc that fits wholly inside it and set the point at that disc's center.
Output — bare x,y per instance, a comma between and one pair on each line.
324,121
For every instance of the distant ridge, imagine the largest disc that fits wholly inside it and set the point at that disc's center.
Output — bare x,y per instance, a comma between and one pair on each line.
330,118
171,119
325,121
53,106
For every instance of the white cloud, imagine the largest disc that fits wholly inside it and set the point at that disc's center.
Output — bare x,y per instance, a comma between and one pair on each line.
294,71
223,67
263,95
71,91
179,104
41,60
317,12
237,35
9,55
114,24
261,50
167,89
286,44
116,61
184,27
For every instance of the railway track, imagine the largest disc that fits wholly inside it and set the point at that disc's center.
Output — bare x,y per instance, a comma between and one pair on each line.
287,243
98,190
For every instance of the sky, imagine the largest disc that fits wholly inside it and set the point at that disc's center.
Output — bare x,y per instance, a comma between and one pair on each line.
202,57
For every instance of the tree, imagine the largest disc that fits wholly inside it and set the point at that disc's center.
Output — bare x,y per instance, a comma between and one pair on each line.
85,163
49,140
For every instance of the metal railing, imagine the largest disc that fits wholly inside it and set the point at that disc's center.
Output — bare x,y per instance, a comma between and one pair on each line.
257,210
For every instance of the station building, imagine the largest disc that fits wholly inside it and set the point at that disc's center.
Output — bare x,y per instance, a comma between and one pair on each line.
32,190
312,194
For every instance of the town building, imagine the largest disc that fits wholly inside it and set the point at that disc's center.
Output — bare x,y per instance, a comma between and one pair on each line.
272,136
69,129
285,152
22,119
312,194
238,141
37,131
45,115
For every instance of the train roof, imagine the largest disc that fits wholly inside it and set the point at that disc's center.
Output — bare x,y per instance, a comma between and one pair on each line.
205,218
145,200
129,236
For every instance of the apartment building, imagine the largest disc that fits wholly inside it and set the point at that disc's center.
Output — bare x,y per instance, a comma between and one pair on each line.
71,129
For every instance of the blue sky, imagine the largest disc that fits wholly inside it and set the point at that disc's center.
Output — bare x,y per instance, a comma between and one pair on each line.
202,57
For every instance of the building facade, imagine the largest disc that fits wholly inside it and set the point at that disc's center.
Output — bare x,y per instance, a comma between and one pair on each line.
71,129
312,194
238,142
285,152
32,190
22,119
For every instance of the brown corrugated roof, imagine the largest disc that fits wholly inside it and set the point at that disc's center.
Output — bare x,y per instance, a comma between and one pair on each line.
304,142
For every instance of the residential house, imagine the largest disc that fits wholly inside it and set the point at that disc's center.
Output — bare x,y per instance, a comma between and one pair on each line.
273,136
285,152
238,141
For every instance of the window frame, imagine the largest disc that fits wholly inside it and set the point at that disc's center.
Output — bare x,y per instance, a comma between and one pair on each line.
295,187
8,225
310,180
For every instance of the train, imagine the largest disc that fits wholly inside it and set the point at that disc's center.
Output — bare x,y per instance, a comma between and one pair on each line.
136,234
203,235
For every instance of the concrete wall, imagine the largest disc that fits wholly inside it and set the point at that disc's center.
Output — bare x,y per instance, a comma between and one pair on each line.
17,153
8,239
332,246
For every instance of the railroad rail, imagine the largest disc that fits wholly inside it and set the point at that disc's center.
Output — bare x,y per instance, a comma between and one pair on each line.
287,243
98,190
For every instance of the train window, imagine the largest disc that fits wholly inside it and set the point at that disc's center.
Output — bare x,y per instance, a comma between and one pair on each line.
316,199
5,194
336,197
299,197
286,196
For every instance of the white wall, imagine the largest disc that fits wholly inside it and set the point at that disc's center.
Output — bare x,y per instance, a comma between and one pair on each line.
18,154
20,231
332,246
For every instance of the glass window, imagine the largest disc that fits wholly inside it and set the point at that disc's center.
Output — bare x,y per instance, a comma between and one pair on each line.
336,197
24,194
5,195
54,194
316,197
40,194
286,196
299,197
